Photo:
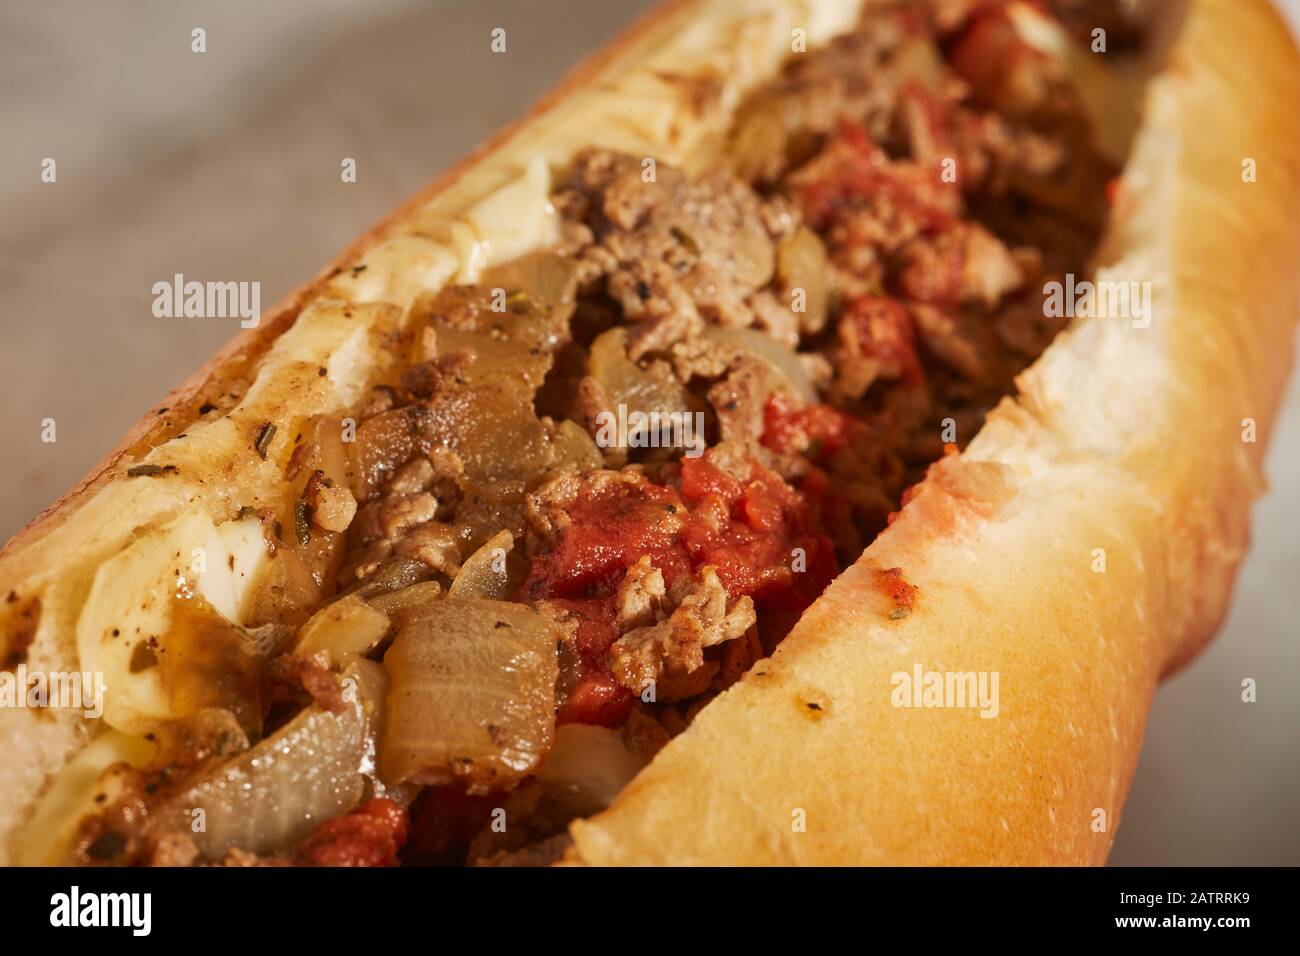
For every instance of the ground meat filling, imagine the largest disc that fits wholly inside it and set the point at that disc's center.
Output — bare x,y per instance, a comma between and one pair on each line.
916,182
832,309
673,253
652,574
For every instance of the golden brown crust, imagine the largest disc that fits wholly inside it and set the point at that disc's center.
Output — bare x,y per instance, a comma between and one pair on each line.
1127,440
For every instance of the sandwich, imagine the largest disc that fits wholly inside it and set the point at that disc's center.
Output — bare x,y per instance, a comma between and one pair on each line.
808,437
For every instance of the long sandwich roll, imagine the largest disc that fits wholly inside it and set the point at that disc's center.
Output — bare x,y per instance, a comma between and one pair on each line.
807,438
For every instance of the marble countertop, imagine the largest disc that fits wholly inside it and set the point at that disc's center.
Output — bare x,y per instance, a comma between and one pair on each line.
226,165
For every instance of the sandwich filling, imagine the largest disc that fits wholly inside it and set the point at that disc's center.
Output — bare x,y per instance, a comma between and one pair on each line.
607,477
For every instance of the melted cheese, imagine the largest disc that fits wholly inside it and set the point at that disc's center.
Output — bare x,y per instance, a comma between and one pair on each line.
128,616
46,839
512,221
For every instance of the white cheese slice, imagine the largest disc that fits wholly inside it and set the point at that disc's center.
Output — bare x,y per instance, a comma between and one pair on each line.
132,598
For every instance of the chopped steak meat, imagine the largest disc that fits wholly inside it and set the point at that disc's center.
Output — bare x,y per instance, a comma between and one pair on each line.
704,618
673,252
831,307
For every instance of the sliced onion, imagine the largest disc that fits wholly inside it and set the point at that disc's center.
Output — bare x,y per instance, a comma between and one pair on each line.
285,591
593,762
384,443
758,144
276,793
487,572
547,279
81,788
472,694
331,454
780,361
801,263
368,681
752,256
344,630
393,575
573,447
653,389
396,603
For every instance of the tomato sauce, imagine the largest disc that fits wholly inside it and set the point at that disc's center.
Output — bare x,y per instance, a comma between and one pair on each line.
444,820
610,529
880,328
816,431
902,596
764,538
855,169
989,53
371,835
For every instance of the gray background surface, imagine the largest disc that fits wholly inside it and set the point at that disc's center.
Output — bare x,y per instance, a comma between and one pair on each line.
226,165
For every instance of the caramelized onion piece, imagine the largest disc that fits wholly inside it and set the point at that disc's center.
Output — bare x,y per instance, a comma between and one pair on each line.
345,630
396,603
506,332
572,447
276,793
593,763
751,256
547,280
801,265
285,592
386,442
473,694
393,575
757,150
785,372
650,389
490,571
320,446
